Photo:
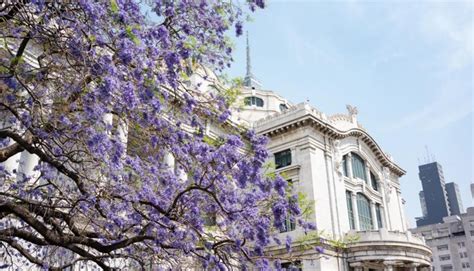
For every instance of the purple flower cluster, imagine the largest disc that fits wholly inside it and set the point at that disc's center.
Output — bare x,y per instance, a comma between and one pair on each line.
123,143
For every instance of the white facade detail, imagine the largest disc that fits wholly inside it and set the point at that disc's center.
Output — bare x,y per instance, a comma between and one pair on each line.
323,152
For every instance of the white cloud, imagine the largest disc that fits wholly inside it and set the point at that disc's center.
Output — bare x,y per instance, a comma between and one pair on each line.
446,107
308,51
450,25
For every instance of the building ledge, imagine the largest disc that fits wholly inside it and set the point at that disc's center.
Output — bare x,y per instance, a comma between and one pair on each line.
378,246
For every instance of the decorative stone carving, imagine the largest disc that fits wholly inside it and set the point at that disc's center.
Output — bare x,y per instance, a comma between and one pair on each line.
387,186
352,110
337,159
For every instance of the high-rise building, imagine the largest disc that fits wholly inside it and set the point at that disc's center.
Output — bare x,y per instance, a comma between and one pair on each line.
472,191
434,194
424,211
454,199
451,241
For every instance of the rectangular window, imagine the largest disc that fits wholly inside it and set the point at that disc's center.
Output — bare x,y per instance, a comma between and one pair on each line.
463,255
444,257
210,219
283,158
465,265
442,247
289,224
461,244
446,267
378,213
293,266
373,181
365,214
350,210
358,167
472,233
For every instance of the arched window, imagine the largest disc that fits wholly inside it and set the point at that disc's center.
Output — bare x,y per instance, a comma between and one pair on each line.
252,100
358,167
283,107
365,215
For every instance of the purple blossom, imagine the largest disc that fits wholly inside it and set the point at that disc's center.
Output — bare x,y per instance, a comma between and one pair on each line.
238,29
288,244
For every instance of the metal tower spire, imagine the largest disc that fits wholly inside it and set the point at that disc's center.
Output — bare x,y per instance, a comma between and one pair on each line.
249,65
250,80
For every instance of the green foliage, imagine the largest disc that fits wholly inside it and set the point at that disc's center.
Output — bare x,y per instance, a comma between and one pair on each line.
316,238
114,6
306,205
129,30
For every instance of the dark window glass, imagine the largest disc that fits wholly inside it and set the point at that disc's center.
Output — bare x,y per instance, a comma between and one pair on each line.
365,215
283,107
292,266
350,209
373,180
358,167
378,212
344,165
283,158
289,224
210,219
252,100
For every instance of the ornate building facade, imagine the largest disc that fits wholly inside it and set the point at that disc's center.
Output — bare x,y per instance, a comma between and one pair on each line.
352,184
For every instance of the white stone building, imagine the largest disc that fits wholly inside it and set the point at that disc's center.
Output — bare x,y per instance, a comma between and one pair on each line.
452,242
352,183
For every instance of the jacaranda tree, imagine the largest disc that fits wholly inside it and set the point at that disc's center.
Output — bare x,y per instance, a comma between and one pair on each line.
98,93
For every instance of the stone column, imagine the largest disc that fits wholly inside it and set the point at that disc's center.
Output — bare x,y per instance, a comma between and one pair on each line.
375,223
384,221
414,266
389,265
355,211
367,175
402,211
122,131
108,119
349,166
387,223
169,161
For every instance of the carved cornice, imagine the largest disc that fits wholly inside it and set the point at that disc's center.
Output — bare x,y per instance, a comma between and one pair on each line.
309,119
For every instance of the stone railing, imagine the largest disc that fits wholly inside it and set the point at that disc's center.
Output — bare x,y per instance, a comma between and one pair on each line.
384,235
306,108
291,110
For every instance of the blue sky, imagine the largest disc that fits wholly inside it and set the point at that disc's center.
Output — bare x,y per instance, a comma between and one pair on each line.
407,66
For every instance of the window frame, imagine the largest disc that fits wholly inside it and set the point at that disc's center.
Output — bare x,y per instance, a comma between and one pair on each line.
378,215
373,181
282,158
350,210
253,101
358,167
366,221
